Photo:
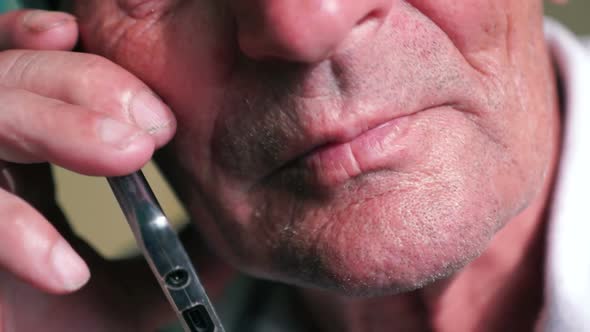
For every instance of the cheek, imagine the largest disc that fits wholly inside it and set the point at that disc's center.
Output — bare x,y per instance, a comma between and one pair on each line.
475,27
197,41
182,50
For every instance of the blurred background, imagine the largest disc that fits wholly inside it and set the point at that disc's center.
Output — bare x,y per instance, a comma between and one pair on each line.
91,207
576,14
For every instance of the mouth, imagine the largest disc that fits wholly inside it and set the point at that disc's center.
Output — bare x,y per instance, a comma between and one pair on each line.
334,162
308,144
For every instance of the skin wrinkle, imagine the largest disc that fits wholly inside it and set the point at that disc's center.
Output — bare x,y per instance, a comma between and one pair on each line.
128,35
115,32
287,253
10,67
204,214
284,255
472,64
146,8
509,36
178,176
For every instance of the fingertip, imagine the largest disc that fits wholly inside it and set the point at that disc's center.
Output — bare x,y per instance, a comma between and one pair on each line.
70,270
32,249
38,21
129,147
43,30
149,112
136,153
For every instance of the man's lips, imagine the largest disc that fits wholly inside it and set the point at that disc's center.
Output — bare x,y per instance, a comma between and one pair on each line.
333,163
319,140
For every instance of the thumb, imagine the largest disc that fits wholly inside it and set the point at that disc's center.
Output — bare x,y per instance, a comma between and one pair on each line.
38,30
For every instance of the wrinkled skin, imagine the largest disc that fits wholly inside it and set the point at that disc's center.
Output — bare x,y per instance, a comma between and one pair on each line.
404,149
272,98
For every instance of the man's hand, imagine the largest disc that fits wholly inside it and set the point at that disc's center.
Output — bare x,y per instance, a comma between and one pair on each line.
86,114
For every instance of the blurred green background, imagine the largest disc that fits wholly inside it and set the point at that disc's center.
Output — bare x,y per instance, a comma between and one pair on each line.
575,14
95,214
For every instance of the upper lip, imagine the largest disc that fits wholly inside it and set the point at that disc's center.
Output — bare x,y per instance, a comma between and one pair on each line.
340,132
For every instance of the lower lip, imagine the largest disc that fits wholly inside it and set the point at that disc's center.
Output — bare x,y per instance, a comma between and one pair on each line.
376,149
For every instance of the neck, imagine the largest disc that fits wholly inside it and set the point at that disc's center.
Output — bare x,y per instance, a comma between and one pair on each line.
502,289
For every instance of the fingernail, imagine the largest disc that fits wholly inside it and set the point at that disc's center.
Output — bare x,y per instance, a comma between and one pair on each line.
117,133
70,269
42,20
149,112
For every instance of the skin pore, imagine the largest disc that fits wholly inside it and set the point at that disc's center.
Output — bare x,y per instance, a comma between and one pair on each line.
360,148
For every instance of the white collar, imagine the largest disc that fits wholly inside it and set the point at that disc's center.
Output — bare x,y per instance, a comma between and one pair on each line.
567,285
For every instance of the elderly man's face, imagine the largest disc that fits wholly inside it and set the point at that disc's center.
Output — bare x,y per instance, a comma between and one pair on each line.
368,146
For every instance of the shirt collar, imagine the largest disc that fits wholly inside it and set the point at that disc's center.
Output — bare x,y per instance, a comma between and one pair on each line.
567,284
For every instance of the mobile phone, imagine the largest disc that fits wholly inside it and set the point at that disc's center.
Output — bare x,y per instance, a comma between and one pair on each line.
164,253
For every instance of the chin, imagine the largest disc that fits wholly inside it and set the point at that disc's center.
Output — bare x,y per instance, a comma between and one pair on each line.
381,235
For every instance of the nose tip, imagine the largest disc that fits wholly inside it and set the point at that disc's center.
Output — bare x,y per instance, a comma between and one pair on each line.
300,30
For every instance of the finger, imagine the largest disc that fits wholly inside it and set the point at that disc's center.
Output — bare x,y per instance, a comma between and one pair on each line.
37,129
90,81
33,250
38,30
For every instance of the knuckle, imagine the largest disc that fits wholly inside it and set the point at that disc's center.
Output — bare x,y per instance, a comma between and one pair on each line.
93,66
116,84
25,227
51,120
23,131
16,214
92,71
